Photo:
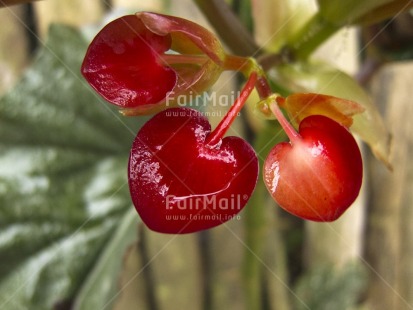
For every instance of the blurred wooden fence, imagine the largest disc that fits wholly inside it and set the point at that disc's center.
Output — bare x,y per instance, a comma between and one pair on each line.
377,232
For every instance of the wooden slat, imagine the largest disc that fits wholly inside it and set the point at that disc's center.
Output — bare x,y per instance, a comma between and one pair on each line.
147,5
390,229
13,46
73,12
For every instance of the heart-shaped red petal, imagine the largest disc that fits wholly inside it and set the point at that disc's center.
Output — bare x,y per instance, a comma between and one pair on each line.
123,64
178,183
318,176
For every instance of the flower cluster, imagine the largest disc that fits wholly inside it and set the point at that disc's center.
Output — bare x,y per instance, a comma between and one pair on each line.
142,62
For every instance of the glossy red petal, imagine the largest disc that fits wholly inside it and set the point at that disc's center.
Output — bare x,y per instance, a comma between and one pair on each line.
178,184
122,64
318,177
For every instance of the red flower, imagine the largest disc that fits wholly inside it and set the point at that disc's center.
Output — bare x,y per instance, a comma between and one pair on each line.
128,62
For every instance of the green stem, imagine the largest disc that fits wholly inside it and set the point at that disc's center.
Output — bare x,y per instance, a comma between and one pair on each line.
258,231
205,255
173,59
255,229
245,65
306,41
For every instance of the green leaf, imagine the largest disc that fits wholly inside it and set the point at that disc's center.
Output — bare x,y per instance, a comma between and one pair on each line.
100,290
63,178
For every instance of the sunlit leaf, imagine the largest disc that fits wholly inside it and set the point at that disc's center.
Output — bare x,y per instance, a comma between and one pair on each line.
320,78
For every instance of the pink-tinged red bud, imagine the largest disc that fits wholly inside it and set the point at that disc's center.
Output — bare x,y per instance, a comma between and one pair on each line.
144,62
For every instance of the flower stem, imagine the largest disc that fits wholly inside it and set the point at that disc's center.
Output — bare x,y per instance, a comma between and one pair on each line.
216,135
172,59
263,88
237,63
288,128
248,65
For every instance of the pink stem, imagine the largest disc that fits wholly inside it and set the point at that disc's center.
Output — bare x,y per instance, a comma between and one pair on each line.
288,128
216,135
263,88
